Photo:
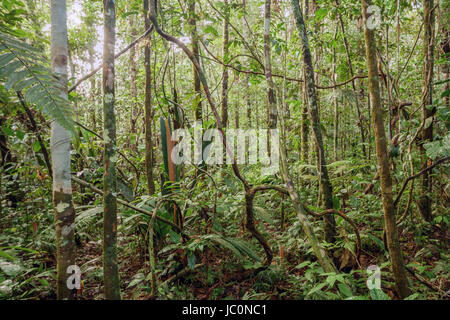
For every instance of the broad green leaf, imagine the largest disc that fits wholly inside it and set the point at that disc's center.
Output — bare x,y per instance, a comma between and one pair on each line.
345,290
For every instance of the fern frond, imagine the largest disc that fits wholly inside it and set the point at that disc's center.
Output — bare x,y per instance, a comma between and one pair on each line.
23,68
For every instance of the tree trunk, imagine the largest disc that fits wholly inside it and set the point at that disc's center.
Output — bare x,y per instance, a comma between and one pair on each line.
272,107
236,116
75,102
110,267
355,90
60,150
325,184
336,105
304,118
319,252
133,89
224,109
34,128
247,77
424,202
393,244
194,38
148,108
444,31
93,92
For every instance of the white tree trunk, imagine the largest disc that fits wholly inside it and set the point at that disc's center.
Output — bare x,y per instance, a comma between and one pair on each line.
60,150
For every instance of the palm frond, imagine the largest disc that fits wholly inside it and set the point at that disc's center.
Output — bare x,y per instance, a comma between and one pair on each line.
24,68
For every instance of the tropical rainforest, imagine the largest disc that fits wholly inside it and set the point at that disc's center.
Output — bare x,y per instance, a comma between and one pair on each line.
104,194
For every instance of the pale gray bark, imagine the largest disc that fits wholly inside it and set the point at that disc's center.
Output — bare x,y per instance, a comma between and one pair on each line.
60,151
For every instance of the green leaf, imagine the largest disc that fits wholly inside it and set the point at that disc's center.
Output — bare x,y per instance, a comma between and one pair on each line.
36,146
20,134
321,14
11,269
8,131
7,256
412,297
316,288
377,241
303,264
378,294
191,260
428,122
25,69
345,290
446,93
264,214
6,58
211,29
138,278
125,189
16,77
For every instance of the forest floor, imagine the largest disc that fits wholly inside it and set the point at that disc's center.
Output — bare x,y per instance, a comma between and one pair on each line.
227,284
28,263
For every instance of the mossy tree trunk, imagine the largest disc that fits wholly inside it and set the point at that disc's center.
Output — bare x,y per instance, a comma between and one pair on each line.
247,76
195,51
336,106
148,107
424,202
133,88
393,244
354,86
305,125
110,267
272,106
225,53
325,183
319,252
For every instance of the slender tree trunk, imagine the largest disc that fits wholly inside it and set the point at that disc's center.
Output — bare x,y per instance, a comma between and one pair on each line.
319,252
247,76
236,116
272,107
93,92
336,105
133,89
305,125
325,184
444,28
60,150
75,102
100,110
355,90
248,101
424,202
110,267
224,110
393,244
195,50
34,128
148,108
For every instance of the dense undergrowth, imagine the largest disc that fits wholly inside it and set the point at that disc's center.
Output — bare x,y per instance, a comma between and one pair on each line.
212,263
